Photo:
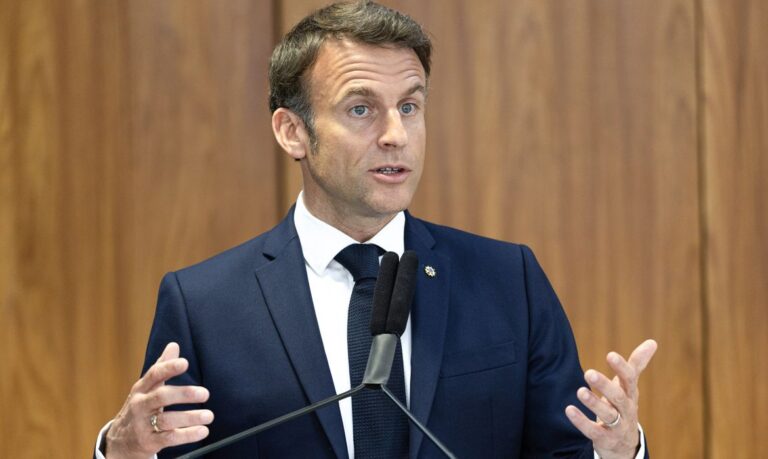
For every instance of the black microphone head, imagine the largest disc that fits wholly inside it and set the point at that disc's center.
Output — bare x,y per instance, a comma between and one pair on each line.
402,294
382,293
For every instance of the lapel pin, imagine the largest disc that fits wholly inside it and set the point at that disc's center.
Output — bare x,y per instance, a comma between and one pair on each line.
430,271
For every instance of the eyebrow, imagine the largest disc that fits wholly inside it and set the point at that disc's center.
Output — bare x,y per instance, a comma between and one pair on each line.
364,91
418,87
358,91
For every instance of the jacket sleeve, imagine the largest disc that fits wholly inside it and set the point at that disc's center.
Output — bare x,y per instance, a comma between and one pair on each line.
554,373
171,324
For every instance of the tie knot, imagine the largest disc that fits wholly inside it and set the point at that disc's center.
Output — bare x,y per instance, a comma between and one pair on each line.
362,260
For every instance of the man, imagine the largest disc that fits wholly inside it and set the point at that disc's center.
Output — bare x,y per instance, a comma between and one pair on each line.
488,358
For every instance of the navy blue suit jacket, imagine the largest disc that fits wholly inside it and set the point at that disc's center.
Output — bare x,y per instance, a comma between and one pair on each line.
494,363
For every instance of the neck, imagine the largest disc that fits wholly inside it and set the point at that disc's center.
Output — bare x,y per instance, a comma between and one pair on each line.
359,228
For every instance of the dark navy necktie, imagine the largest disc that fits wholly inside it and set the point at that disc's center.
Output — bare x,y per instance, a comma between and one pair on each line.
380,429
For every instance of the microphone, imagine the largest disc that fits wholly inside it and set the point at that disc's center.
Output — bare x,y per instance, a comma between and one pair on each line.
382,293
402,293
389,314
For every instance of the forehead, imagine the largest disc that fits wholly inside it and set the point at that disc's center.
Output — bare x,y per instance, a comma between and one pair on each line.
345,64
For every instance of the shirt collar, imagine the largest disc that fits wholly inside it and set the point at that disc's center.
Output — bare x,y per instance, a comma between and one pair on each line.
320,241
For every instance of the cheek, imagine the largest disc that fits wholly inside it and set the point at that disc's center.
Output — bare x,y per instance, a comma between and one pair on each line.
417,131
418,139
336,159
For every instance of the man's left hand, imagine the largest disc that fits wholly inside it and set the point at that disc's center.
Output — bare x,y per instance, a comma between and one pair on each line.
615,433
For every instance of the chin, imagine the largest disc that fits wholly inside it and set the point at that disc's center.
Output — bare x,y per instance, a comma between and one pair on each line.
390,200
389,206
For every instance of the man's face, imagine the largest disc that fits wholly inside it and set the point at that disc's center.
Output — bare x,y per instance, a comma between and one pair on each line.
368,104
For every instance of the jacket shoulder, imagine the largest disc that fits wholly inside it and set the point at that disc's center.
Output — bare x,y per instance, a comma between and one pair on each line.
236,262
455,242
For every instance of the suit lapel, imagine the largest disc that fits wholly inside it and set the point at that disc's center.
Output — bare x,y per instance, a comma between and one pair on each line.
429,315
284,284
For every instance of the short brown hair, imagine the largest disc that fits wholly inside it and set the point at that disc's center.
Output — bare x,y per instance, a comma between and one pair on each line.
361,21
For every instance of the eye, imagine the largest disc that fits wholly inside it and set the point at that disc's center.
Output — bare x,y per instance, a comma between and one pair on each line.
359,110
408,108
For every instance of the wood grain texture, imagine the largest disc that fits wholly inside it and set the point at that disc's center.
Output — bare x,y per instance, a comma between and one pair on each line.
134,140
735,129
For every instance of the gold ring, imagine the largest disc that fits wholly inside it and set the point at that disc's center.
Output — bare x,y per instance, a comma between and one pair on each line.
153,423
615,421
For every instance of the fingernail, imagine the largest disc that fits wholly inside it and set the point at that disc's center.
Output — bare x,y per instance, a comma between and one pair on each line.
614,358
201,393
584,395
591,376
206,417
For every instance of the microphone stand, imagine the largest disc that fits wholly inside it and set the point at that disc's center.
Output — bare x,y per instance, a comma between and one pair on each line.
418,424
269,424
314,407
376,377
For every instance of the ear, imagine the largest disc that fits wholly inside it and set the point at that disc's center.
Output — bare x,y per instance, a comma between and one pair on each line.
290,132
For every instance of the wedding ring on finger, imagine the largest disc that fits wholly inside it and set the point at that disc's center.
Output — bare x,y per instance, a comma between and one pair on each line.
153,423
613,424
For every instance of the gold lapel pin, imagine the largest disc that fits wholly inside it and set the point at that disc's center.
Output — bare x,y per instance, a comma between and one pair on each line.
430,271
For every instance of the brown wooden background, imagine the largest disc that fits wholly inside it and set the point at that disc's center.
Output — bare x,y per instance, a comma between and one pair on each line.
625,141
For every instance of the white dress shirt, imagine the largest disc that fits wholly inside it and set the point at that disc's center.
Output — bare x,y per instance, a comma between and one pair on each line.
331,287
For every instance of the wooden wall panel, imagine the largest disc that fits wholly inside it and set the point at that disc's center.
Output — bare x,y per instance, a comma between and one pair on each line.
571,127
735,132
35,377
134,139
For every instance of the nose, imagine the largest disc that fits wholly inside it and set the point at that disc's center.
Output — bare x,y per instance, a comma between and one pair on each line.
393,133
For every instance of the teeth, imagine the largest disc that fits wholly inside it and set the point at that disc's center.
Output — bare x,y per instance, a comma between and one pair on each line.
388,170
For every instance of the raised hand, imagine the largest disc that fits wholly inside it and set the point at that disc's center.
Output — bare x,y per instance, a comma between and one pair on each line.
142,428
615,433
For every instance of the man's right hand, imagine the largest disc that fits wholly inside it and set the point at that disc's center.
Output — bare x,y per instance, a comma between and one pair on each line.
132,435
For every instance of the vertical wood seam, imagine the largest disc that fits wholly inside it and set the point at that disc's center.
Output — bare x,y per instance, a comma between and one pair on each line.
698,25
281,183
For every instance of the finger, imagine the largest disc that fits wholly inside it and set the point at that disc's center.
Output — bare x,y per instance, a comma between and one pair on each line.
159,373
590,429
171,351
172,395
170,420
610,389
627,374
643,354
182,436
602,409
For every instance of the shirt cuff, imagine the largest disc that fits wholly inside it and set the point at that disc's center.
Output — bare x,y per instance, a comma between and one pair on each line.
640,452
100,449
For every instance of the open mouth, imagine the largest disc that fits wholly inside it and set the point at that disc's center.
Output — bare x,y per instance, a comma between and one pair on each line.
391,175
389,170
